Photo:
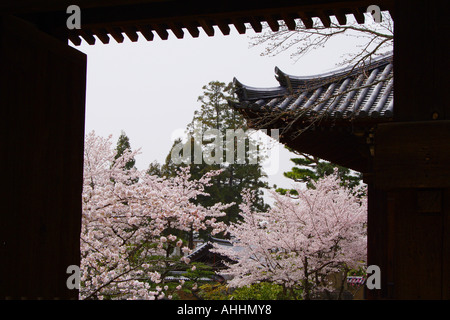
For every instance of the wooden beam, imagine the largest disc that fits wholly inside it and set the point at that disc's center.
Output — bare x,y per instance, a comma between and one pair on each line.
289,21
161,31
223,26
177,6
102,34
306,19
239,25
272,22
341,17
324,18
342,148
256,24
146,31
87,36
358,13
192,28
177,30
131,33
207,27
116,33
75,38
176,14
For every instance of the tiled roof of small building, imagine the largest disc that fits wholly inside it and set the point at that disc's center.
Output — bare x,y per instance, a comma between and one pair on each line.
351,93
204,248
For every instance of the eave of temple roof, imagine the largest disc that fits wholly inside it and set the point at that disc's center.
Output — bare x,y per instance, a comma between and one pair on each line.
205,247
121,19
363,92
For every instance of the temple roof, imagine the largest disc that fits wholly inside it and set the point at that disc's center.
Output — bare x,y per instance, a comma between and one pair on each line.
350,93
203,254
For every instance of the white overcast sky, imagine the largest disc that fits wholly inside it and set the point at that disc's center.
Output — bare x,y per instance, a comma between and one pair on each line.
150,89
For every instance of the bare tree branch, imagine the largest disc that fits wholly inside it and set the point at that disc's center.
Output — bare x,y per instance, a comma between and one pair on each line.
302,40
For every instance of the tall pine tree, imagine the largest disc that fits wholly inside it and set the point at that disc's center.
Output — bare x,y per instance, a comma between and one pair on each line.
215,116
123,145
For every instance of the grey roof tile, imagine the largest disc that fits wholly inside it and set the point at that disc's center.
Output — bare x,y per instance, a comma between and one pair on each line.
355,93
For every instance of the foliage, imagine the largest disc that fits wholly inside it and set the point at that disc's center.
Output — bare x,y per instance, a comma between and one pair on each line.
309,169
215,114
256,291
259,291
301,240
128,239
123,144
214,291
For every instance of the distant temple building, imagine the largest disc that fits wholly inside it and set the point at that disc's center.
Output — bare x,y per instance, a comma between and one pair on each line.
202,253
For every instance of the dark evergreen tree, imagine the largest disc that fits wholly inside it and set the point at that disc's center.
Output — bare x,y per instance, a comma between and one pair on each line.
154,169
310,168
216,115
123,143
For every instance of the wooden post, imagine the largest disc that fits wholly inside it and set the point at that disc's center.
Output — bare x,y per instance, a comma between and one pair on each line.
410,208
42,83
377,246
421,61
411,211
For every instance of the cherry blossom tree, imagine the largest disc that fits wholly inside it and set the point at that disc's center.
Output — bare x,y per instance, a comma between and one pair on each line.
301,240
133,224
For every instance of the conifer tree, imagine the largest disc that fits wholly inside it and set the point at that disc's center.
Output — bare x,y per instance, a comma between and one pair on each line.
123,144
215,114
123,148
309,169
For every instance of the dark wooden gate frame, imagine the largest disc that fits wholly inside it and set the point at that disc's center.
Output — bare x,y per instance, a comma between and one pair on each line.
409,184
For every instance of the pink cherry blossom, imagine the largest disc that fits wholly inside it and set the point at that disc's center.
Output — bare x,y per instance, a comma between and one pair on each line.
126,215
301,240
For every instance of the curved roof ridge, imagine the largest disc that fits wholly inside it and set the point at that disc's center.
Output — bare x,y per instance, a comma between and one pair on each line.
289,83
219,240
293,81
245,92
348,93
239,84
